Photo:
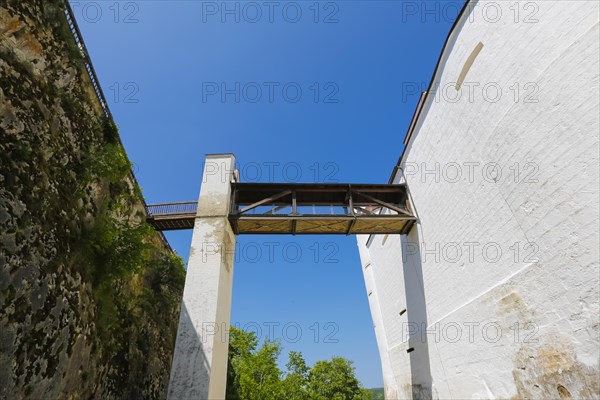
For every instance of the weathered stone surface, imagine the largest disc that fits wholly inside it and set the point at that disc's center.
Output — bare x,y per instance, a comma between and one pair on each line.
68,329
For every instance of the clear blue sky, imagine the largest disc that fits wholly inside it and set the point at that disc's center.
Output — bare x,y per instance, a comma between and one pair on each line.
162,65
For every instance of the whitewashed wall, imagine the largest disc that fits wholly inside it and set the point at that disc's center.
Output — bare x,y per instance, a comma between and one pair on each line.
515,312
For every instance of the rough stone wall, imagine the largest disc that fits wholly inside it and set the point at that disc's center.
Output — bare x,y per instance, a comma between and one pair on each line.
89,295
516,316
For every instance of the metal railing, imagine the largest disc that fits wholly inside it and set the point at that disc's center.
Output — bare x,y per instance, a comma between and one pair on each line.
89,67
86,58
170,209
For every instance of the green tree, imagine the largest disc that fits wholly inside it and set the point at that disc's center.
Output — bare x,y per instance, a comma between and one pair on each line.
335,380
295,384
241,346
253,374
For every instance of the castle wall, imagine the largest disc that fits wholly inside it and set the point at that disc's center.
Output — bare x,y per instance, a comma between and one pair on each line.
89,293
500,277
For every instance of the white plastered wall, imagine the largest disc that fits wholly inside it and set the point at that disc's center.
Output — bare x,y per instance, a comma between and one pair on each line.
543,299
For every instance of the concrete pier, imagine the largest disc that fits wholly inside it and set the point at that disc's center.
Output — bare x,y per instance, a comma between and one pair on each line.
199,368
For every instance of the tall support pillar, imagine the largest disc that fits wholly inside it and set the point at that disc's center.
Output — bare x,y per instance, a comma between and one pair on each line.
199,368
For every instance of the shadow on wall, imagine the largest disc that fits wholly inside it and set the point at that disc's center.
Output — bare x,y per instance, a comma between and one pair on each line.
416,310
190,370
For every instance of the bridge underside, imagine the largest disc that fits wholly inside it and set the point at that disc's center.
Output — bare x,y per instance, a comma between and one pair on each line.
293,208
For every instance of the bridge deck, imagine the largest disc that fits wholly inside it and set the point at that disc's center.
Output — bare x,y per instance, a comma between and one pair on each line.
292,208
172,216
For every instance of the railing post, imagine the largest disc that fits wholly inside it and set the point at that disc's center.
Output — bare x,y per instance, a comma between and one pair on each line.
294,205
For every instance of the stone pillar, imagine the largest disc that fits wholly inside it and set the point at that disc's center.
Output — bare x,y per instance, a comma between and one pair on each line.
199,368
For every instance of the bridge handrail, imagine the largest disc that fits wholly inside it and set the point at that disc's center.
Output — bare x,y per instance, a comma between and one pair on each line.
86,59
175,208
89,67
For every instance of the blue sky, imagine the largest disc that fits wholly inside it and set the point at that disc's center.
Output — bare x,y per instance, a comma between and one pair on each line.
299,92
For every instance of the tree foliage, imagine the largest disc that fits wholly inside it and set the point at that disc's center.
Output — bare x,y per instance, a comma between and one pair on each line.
253,374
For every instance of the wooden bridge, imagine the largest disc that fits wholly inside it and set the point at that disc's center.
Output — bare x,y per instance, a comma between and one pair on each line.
300,208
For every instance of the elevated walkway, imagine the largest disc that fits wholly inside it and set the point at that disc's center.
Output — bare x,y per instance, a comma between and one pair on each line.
301,208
